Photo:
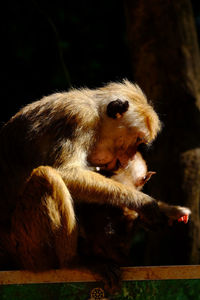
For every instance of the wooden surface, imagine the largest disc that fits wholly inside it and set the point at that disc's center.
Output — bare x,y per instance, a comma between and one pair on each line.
130,273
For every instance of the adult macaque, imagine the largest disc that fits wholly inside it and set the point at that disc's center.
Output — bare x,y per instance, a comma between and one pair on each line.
46,151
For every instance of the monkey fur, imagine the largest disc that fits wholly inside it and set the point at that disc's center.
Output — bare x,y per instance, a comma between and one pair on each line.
47,150
106,236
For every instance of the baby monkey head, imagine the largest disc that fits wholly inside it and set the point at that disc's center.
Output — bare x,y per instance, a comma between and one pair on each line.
127,120
135,174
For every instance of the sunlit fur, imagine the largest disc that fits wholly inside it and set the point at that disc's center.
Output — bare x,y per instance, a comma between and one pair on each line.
137,174
140,115
52,143
107,232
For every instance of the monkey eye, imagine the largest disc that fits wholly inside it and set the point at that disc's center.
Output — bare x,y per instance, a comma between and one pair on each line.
118,165
140,140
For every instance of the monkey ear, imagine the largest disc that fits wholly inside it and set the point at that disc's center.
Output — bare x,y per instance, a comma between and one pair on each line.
148,176
116,108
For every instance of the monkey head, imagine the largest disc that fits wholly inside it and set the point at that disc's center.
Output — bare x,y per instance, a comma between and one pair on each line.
135,174
127,120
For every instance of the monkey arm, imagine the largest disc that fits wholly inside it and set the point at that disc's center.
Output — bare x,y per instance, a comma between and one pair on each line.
87,186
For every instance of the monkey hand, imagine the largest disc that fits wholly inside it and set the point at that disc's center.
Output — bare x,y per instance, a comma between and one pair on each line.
151,217
184,219
149,212
174,213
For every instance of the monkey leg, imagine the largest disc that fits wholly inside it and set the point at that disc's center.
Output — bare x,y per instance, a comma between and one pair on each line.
44,231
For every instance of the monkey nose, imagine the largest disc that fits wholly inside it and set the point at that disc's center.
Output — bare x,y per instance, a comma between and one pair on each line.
111,165
125,158
131,151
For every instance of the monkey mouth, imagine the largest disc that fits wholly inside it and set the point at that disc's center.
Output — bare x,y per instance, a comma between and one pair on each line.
114,166
111,166
118,165
122,162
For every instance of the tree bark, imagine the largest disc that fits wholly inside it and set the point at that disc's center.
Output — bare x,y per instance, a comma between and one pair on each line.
166,64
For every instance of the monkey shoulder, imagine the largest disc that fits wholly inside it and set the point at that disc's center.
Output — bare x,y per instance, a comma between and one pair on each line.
72,108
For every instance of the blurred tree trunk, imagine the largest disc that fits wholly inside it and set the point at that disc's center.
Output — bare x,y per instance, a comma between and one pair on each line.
166,64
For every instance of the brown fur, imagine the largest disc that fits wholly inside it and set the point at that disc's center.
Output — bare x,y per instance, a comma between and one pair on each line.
137,174
66,133
106,231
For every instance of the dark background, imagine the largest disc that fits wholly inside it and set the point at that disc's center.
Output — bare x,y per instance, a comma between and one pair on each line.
50,45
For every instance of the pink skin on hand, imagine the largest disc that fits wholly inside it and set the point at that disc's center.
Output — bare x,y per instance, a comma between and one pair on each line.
184,219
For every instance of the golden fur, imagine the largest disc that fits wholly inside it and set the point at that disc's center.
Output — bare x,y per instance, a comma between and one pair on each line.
46,152
137,174
106,232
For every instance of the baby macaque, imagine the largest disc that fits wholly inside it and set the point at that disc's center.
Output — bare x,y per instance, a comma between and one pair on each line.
106,232
137,174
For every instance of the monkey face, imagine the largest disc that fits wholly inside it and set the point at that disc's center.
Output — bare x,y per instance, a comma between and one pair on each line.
127,119
115,150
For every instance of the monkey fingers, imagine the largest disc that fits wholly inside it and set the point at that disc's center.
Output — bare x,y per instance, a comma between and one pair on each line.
175,213
184,219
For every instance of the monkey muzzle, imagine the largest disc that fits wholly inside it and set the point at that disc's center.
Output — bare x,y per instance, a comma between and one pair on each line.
115,158
121,161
